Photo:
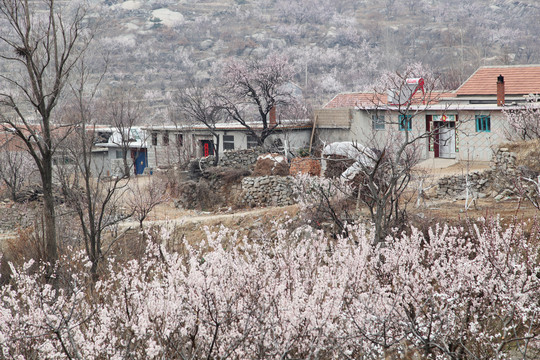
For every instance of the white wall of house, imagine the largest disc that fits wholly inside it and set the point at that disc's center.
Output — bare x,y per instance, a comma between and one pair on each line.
470,143
169,147
100,164
377,134
480,145
162,153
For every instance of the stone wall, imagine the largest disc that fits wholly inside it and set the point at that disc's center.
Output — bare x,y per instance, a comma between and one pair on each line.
455,186
497,181
245,158
503,170
268,190
233,158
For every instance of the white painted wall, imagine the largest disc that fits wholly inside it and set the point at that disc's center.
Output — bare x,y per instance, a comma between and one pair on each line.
471,145
480,146
161,155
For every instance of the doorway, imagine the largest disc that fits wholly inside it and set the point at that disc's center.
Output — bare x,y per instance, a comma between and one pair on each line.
207,147
445,139
141,160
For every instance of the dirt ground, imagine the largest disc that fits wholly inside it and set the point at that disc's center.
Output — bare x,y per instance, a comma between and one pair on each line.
440,208
191,225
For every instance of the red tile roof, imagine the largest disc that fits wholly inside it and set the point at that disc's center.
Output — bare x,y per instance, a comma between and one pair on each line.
350,100
518,80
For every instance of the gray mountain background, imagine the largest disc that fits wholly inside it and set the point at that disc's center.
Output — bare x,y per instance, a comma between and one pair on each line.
158,46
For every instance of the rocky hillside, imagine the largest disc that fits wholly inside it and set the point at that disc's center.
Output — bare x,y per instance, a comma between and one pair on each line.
155,46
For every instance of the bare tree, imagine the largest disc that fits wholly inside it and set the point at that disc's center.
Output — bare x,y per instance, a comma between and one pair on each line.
254,88
123,112
42,47
16,168
382,166
84,181
145,197
384,179
198,105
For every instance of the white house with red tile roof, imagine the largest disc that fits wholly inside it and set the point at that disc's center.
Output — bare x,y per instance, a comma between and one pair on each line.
466,124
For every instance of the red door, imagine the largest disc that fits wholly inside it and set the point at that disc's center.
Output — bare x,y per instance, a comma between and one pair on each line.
436,139
207,147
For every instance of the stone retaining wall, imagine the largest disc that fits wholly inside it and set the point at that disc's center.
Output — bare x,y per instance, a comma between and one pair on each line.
498,179
233,158
268,190
455,185
246,158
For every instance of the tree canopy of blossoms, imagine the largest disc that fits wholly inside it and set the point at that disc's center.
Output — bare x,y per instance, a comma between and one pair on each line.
456,293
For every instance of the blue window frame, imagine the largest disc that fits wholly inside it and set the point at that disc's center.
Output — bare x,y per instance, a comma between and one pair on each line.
405,122
483,123
377,122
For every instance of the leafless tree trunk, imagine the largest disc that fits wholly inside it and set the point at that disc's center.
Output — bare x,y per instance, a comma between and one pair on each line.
16,167
124,112
94,198
197,105
42,47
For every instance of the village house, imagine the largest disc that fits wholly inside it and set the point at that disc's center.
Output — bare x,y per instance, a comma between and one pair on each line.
106,152
170,144
110,145
465,124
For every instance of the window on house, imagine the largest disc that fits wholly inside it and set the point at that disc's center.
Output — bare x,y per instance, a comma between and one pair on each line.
165,139
377,122
179,140
102,137
154,139
405,122
119,154
483,123
134,135
252,142
228,142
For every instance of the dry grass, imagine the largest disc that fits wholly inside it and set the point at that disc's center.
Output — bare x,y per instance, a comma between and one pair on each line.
527,153
255,223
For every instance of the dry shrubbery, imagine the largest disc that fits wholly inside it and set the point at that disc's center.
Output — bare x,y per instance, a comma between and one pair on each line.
527,153
215,188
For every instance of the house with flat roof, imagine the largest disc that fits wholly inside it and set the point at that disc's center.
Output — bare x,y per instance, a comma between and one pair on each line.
465,124
172,144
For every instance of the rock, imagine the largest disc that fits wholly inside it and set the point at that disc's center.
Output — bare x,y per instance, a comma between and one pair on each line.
507,192
206,44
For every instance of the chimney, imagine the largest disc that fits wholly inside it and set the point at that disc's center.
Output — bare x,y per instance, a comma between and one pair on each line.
500,90
272,117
